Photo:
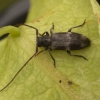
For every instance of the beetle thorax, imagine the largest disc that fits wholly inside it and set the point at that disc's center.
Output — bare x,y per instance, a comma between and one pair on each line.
44,41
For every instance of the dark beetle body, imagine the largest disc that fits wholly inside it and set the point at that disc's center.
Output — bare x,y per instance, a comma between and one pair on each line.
68,41
56,41
62,41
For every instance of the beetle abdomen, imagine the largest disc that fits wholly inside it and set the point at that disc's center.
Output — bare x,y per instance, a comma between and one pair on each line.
78,41
69,41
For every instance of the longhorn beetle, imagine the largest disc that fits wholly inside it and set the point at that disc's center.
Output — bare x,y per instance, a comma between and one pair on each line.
57,41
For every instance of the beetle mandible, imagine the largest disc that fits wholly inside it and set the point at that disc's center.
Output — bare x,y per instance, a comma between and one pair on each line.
61,41
57,41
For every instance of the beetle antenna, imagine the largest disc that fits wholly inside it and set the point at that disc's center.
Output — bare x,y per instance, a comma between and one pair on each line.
26,62
37,32
18,72
32,27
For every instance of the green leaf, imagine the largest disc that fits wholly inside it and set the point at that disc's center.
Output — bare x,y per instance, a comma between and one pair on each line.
73,78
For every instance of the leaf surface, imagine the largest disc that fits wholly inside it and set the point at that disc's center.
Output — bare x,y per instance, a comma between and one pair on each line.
73,78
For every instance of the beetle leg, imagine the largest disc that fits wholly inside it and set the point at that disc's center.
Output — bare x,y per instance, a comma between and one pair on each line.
52,57
51,30
44,33
76,55
77,26
49,53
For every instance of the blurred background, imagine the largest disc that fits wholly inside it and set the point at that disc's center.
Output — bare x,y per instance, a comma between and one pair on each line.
13,12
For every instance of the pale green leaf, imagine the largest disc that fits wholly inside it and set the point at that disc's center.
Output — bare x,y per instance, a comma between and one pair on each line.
39,80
